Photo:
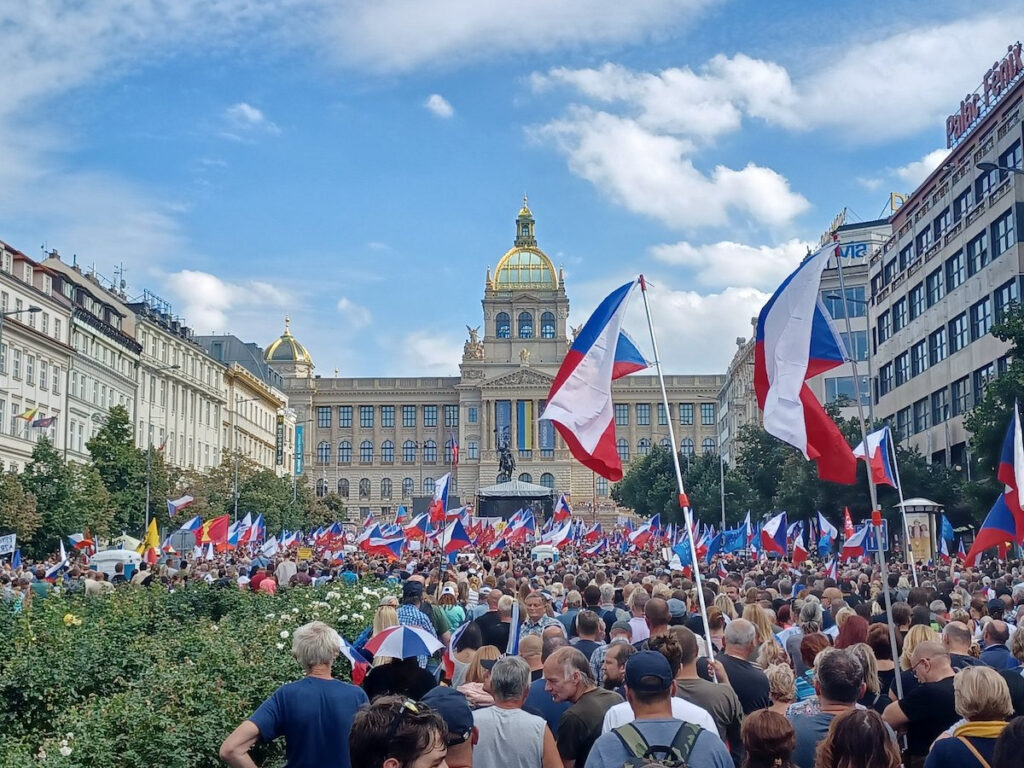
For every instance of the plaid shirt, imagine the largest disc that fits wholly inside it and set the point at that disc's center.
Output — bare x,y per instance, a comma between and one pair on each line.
531,628
411,616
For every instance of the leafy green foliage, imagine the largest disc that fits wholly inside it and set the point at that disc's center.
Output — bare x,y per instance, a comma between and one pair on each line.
122,468
18,512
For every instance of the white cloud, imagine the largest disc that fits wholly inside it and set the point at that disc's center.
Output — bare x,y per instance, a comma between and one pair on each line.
210,304
725,263
357,316
439,105
652,173
914,173
427,353
245,121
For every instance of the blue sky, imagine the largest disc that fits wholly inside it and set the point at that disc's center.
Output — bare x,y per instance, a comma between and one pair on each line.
358,165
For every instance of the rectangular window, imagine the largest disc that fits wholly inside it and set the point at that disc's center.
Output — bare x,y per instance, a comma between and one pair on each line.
44,375
885,379
982,377
3,359
942,222
44,324
937,346
686,414
856,344
323,417
1003,236
922,412
473,449
56,329
345,416
902,368
707,414
919,358
56,379
451,416
1010,158
961,396
959,335
429,415
955,271
30,369
408,416
985,183
387,416
925,240
366,416
1005,294
899,315
981,318
977,254
662,416
940,406
472,414
643,414
917,302
906,256
621,415
934,286
854,303
890,270
884,326
903,423
840,388
963,203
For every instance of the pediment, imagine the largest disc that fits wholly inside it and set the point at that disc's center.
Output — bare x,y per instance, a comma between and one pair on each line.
524,377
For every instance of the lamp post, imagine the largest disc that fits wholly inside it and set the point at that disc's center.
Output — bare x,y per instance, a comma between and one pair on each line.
5,315
234,441
994,167
149,437
871,375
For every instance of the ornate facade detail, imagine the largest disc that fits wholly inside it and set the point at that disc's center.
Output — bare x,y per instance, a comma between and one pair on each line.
524,356
522,377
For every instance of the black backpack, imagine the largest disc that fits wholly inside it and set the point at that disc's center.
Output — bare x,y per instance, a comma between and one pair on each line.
643,754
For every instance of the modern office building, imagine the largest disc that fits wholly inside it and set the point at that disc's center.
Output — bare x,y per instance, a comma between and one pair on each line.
947,273
380,442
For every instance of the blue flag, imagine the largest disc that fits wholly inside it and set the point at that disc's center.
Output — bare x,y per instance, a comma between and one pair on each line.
947,530
683,550
16,559
734,540
824,545
714,546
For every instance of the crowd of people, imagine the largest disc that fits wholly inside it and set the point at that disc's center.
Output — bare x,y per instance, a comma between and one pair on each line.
595,662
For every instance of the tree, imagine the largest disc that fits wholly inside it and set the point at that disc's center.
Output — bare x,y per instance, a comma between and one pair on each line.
18,512
122,468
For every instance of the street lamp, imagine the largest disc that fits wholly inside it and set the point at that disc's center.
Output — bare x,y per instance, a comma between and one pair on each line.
234,440
871,376
994,167
149,435
4,315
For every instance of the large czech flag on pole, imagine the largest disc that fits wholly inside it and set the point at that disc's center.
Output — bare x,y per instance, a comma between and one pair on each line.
1011,472
580,400
878,456
795,341
773,535
998,529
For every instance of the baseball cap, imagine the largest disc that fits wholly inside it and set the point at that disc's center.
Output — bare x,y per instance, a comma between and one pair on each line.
448,590
454,710
624,626
484,591
995,604
412,589
648,672
676,607
488,664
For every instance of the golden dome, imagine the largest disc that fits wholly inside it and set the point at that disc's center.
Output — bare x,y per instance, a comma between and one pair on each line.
286,349
525,268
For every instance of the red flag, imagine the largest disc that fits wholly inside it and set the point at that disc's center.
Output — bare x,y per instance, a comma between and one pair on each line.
848,531
215,531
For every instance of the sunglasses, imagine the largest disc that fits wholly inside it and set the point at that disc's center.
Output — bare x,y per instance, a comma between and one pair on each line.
407,706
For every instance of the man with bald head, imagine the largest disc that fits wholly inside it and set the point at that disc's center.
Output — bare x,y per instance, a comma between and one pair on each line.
489,621
994,651
928,709
657,617
957,639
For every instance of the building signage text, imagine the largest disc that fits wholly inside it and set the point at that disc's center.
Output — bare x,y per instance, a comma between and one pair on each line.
996,82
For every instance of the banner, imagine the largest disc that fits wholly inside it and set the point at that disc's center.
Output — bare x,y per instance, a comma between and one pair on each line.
8,544
524,417
279,441
546,431
299,448
503,419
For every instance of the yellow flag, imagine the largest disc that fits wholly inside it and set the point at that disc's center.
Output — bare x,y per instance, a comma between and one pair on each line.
152,540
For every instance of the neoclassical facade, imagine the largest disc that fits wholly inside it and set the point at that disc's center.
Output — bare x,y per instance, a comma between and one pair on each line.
382,442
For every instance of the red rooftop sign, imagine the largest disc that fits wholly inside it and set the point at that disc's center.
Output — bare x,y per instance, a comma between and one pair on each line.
994,85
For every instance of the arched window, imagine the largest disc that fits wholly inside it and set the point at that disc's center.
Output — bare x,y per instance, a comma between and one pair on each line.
602,486
708,445
430,452
366,452
343,488
448,451
665,443
364,488
548,480
387,452
547,325
525,477
408,486
409,451
321,487
323,452
643,446
686,446
344,452
503,325
428,486
385,488
525,325
622,446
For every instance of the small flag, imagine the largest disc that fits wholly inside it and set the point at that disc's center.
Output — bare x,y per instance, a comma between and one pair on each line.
515,631
44,422
16,560
360,664
28,415
175,506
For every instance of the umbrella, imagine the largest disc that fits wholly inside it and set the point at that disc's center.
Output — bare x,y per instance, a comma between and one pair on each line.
402,642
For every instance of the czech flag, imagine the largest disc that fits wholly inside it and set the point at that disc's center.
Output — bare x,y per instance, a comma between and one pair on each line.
1011,473
456,537
943,552
360,664
960,553
81,541
795,340
856,544
192,525
878,456
723,572
562,510
440,502
401,515
580,400
497,547
773,535
560,536
832,570
391,548
593,533
999,528
175,506
418,528
597,549
799,550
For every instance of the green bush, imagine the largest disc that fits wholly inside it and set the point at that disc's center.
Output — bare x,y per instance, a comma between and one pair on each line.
144,677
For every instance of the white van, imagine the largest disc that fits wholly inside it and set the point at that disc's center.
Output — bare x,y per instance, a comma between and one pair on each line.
106,560
544,552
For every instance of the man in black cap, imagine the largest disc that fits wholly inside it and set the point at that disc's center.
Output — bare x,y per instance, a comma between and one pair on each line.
649,686
462,734
409,613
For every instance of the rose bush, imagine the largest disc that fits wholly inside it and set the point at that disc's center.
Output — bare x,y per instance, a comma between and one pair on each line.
144,677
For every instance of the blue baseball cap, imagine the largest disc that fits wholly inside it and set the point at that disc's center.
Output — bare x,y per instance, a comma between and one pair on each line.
454,710
648,672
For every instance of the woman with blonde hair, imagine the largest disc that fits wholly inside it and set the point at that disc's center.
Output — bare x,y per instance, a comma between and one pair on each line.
478,677
916,635
770,652
726,606
781,686
983,701
384,617
873,698
757,616
857,738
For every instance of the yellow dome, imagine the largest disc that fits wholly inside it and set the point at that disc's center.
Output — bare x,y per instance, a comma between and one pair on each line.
286,349
525,268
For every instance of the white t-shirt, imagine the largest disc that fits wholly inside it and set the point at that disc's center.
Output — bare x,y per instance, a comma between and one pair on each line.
682,709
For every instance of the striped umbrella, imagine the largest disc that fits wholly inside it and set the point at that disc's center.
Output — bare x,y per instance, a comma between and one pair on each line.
403,642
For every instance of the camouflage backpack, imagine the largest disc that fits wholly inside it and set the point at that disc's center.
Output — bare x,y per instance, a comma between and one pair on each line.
644,755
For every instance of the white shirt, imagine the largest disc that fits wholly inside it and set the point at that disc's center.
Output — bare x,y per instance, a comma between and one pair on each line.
682,709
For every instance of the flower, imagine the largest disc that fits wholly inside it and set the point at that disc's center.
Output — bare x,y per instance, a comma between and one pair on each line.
284,634
70,620
65,750
280,646
269,616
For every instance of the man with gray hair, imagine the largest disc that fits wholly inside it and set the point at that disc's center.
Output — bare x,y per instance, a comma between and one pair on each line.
839,683
313,714
808,623
749,682
508,736
567,678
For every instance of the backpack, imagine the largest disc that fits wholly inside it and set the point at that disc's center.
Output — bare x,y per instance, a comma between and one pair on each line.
643,754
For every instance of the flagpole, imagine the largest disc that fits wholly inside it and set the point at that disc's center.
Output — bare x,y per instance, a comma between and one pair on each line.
876,513
684,502
903,511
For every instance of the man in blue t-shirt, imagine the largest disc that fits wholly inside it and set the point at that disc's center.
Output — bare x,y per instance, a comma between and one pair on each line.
313,714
